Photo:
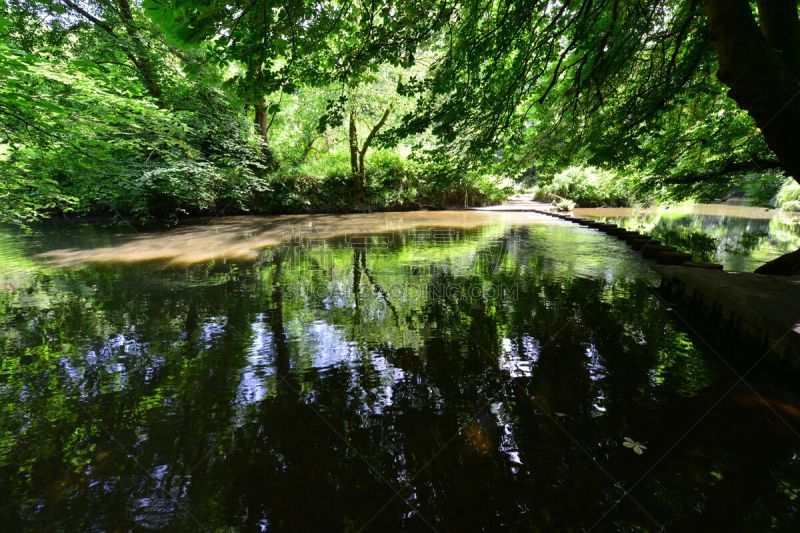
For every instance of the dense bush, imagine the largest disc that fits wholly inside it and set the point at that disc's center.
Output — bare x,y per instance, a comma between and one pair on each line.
564,206
791,206
587,187
788,197
324,183
761,189
109,152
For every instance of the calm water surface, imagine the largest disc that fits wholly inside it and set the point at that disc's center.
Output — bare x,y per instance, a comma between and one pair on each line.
739,237
415,371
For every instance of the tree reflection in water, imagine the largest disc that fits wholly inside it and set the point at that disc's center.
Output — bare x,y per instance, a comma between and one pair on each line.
481,378
740,238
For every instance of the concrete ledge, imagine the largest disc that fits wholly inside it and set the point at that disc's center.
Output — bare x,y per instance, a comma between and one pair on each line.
765,310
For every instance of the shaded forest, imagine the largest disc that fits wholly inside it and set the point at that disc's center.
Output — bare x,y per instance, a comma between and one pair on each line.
162,109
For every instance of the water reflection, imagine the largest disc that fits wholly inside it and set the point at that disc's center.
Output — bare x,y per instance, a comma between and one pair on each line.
741,238
461,379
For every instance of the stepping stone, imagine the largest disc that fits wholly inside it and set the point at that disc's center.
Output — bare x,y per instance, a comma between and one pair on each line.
651,244
672,258
624,235
702,264
609,228
634,236
650,252
638,244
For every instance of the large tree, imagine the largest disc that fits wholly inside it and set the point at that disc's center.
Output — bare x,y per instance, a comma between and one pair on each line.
283,44
759,59
600,69
601,73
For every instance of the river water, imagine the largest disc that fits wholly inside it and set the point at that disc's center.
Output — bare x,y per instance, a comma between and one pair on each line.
406,371
741,238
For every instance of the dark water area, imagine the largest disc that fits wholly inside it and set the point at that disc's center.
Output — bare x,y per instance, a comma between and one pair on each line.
408,372
739,237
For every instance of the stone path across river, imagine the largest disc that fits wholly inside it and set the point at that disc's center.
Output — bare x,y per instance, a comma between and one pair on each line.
647,247
764,310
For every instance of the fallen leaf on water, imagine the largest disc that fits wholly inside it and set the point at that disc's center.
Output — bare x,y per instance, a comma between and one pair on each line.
637,447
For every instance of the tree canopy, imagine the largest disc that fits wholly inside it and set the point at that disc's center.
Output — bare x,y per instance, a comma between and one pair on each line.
165,107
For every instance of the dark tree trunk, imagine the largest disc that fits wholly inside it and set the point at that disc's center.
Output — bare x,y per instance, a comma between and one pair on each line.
352,135
760,66
781,29
358,153
760,63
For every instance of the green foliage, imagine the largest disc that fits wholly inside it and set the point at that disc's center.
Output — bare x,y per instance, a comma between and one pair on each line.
24,199
587,187
186,187
324,183
564,206
761,189
788,197
792,206
112,152
147,110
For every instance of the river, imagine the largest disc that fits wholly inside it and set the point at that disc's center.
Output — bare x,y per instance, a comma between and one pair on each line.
450,371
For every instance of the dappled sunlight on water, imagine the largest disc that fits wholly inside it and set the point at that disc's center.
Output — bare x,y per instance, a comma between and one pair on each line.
242,238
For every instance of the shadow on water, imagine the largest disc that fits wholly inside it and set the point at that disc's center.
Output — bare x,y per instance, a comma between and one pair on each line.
459,379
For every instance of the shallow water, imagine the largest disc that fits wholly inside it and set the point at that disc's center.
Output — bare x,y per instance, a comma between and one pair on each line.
740,237
417,371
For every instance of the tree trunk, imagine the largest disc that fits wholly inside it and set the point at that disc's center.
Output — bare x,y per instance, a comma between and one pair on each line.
359,191
307,149
759,65
362,154
353,138
260,122
781,29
